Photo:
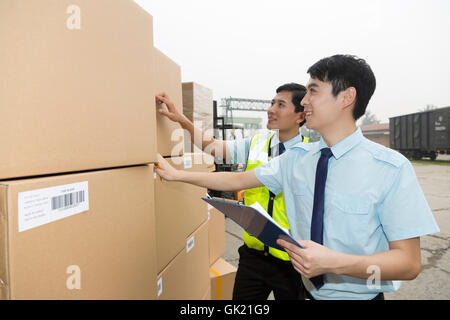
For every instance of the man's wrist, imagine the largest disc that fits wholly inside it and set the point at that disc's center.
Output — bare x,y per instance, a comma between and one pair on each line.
345,263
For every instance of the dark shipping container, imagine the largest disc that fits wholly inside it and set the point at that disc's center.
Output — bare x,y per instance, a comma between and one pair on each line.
421,134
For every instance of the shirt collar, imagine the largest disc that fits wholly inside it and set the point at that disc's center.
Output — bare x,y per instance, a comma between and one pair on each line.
343,146
287,144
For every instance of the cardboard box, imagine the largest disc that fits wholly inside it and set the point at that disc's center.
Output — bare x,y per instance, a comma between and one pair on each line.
171,282
168,79
197,265
222,275
79,236
186,277
216,234
207,295
74,99
178,208
197,107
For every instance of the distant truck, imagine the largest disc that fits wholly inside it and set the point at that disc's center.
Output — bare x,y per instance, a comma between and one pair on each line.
421,134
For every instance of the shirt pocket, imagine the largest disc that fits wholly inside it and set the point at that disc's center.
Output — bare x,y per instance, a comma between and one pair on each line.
349,218
297,187
352,204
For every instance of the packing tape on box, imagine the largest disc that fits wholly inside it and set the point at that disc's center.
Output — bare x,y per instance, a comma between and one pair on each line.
218,283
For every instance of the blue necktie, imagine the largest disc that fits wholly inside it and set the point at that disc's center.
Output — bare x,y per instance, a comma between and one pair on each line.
281,148
318,208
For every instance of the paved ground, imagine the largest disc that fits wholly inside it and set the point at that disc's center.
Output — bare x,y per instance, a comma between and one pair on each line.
434,280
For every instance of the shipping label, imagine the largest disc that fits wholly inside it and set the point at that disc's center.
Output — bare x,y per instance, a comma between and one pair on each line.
42,206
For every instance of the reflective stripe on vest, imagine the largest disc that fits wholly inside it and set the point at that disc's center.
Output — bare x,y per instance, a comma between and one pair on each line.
258,155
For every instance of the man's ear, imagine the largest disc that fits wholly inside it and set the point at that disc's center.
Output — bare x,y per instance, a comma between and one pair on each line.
349,97
302,116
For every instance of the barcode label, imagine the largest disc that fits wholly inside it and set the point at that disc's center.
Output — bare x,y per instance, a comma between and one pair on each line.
42,206
67,200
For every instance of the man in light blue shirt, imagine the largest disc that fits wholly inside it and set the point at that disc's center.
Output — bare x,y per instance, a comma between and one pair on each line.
372,199
374,210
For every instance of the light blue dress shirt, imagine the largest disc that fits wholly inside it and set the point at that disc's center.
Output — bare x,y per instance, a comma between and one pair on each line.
239,149
372,197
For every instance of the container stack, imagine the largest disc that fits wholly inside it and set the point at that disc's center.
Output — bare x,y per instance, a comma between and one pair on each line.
82,214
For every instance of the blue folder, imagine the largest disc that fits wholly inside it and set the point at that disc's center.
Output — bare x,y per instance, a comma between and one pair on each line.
254,222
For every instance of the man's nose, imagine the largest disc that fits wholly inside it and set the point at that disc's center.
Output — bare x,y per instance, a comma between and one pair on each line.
305,100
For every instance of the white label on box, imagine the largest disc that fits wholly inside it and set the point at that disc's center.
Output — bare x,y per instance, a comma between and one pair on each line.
187,162
190,244
159,286
42,206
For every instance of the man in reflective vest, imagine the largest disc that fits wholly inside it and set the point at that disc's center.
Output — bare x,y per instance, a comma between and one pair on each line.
261,269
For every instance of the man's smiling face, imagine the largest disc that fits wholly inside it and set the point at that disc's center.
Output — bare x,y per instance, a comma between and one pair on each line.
281,114
321,106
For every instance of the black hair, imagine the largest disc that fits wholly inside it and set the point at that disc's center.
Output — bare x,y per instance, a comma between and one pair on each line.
298,92
344,71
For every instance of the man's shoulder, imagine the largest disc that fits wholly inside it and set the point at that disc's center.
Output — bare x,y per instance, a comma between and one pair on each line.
305,146
264,134
383,154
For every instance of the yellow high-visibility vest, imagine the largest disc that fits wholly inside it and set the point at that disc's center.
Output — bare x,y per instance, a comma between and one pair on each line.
258,155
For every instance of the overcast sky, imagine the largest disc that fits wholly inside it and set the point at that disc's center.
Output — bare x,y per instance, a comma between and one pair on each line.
248,48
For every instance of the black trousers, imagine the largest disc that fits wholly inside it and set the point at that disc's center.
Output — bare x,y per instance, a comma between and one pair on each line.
259,274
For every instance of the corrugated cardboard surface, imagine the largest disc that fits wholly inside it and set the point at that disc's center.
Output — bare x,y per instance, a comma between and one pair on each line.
197,107
172,279
168,79
207,295
113,243
222,275
178,208
216,234
197,265
74,100
4,277
186,277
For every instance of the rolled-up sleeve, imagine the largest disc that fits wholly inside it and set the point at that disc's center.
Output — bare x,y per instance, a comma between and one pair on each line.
239,150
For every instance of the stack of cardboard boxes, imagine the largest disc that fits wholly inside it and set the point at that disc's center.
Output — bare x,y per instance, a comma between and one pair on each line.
82,214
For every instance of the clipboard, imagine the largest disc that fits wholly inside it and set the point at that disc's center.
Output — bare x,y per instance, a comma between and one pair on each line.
254,222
